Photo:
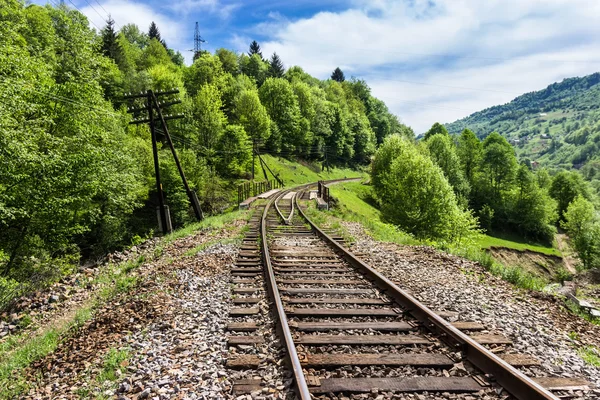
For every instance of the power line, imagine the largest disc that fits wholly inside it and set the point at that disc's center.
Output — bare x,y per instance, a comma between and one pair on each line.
70,1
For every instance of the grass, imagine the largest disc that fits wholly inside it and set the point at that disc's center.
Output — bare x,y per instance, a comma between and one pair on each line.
295,173
590,354
353,202
20,351
516,243
114,360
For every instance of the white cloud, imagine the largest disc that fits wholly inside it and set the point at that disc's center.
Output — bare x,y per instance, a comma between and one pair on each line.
130,12
504,45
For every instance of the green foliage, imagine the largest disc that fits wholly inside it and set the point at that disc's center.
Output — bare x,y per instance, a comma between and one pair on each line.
277,96
276,68
337,75
565,187
114,360
436,129
583,226
415,195
443,153
252,115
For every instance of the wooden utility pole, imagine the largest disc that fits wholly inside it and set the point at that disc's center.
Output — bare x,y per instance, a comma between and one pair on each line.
150,106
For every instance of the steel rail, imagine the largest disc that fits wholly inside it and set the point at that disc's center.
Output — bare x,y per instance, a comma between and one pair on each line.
515,382
282,322
288,219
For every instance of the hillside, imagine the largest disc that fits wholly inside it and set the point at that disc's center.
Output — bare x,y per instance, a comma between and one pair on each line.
557,127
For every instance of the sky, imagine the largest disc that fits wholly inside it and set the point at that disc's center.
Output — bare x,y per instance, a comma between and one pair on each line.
429,60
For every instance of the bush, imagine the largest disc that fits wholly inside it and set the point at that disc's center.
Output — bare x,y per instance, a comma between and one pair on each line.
415,195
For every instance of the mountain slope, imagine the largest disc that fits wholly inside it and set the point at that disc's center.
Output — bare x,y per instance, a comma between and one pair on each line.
557,127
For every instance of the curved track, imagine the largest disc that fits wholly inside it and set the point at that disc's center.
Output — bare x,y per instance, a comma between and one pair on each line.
336,316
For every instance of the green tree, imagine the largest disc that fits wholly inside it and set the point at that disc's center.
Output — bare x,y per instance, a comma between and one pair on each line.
582,225
415,195
277,96
255,49
154,33
498,164
276,68
234,151
436,129
252,115
209,120
154,54
337,75
443,153
565,187
207,69
229,61
110,45
533,211
469,150
254,67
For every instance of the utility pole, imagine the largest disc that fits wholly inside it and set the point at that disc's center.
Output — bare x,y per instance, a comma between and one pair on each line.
191,194
150,104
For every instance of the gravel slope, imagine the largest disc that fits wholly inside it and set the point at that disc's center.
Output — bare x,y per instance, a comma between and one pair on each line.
537,326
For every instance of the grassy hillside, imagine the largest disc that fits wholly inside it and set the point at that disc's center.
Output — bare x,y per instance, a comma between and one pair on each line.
299,172
557,127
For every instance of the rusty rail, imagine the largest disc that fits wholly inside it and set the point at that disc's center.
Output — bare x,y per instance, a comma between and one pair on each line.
515,382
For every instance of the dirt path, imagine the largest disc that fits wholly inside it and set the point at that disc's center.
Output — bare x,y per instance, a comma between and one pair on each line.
565,249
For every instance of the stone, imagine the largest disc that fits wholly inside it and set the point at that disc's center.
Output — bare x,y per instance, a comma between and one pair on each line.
144,394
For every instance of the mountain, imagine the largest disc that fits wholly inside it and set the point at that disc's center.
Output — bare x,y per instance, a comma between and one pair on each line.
557,127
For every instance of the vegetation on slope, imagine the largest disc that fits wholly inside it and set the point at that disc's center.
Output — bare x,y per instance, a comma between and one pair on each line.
557,127
76,180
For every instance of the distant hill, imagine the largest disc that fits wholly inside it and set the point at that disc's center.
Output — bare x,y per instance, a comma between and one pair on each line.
557,127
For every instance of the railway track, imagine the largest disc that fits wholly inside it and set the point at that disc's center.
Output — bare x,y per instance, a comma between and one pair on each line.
346,329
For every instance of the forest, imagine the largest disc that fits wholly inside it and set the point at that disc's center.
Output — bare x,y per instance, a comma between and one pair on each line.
449,188
556,128
77,180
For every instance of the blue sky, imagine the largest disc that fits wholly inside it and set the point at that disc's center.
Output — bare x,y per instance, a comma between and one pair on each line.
429,60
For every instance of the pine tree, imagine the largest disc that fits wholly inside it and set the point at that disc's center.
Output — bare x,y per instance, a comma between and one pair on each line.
276,68
338,75
254,49
110,46
154,33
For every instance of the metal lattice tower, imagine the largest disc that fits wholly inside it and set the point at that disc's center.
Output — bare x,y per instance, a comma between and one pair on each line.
197,42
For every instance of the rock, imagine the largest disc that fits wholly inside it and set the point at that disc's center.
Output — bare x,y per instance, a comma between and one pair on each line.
144,394
53,299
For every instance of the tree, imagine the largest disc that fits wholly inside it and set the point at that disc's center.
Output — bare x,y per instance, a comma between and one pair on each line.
533,210
499,164
229,61
443,154
255,49
252,115
154,33
154,54
234,151
277,96
436,129
583,227
207,69
415,195
255,67
469,151
110,45
276,69
209,119
337,75
565,187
